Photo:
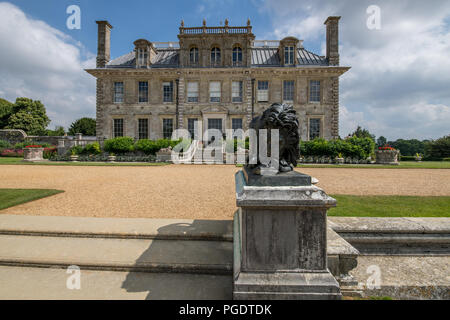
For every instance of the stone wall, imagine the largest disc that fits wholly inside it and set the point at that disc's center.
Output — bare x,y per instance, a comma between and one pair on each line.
156,110
13,136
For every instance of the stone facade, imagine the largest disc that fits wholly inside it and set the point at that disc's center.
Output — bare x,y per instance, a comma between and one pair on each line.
242,59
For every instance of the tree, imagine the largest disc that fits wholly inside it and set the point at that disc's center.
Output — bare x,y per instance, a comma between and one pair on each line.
58,132
381,141
438,149
409,147
363,133
6,109
86,126
30,116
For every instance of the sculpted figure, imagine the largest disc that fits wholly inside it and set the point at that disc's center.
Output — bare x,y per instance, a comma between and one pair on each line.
284,118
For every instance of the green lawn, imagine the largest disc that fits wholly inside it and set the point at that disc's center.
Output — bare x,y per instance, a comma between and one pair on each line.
18,161
13,197
390,206
402,165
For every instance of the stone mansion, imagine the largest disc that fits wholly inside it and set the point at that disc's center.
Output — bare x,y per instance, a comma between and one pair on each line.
220,76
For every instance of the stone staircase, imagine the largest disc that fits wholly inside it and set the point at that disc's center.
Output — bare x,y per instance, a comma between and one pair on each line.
118,258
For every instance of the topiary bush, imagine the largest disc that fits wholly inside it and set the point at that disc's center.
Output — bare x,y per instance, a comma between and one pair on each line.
149,147
119,145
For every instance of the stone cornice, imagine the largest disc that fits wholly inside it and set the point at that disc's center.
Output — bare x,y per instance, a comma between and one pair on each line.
249,72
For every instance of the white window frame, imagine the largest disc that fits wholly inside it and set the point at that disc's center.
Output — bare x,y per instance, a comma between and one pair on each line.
237,93
192,91
292,91
215,91
289,55
262,94
164,84
119,96
310,88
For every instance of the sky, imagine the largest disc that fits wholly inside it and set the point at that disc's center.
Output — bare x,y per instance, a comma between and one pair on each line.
398,86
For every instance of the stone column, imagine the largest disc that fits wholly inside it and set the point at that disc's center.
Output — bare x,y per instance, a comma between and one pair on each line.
280,239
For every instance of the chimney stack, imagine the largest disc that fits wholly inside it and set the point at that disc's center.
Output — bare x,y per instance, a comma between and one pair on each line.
332,24
104,43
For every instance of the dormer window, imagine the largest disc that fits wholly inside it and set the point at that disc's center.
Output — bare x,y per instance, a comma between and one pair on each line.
237,56
215,56
193,56
142,57
289,55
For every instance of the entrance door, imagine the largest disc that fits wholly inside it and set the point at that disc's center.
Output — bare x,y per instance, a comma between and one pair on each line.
214,123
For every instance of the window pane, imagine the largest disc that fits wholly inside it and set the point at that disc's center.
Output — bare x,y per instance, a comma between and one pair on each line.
194,56
237,56
118,92
236,91
214,91
192,91
314,128
118,128
288,90
289,55
263,91
215,56
314,91
191,127
168,91
236,124
167,128
143,91
143,129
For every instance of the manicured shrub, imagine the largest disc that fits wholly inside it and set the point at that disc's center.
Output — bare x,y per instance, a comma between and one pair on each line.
119,145
93,148
360,148
146,146
367,145
75,150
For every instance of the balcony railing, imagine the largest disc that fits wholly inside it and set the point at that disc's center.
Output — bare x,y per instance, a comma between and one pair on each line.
216,30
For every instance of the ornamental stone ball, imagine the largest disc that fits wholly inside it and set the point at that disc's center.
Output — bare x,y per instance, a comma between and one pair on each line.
284,118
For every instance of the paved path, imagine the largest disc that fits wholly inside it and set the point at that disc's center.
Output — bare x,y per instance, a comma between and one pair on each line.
177,192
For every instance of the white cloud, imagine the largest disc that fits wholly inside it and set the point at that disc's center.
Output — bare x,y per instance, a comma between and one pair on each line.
42,63
399,82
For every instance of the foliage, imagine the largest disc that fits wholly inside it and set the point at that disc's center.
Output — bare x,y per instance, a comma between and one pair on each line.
75,150
30,116
438,149
93,148
119,145
4,145
49,152
151,147
352,147
11,153
6,109
58,132
362,133
407,158
381,141
85,126
23,145
409,147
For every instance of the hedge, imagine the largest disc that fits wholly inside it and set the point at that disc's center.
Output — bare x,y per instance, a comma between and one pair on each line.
354,147
119,145
151,147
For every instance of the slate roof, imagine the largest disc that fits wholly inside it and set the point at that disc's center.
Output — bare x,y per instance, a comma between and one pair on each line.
261,57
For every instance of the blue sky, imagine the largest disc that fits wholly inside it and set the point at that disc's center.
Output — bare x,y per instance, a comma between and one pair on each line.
398,86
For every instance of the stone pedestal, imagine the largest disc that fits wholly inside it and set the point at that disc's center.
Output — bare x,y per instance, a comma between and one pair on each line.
33,154
280,239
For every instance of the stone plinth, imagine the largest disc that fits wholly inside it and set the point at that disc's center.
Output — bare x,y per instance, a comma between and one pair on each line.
280,236
387,157
33,154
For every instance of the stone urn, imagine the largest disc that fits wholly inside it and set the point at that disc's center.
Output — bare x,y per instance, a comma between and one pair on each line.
389,157
111,158
164,155
74,158
339,160
33,154
418,158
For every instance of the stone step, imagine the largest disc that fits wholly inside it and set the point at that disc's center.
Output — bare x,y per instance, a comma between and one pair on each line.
118,228
19,283
143,255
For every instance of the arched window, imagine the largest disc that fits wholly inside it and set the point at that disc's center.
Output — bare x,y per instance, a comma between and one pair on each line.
237,56
193,56
215,56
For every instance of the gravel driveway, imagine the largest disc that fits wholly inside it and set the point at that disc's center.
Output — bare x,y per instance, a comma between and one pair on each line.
203,192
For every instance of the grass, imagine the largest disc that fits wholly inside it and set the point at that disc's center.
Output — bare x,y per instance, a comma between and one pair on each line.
390,206
402,165
13,197
18,161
